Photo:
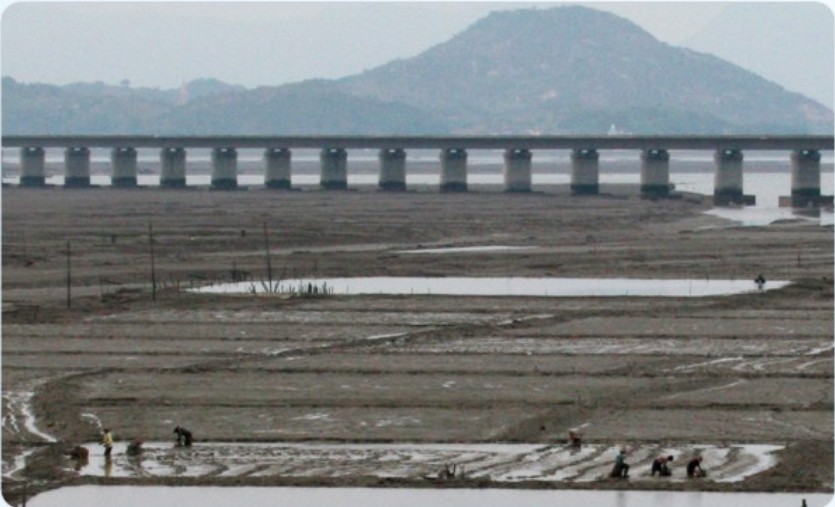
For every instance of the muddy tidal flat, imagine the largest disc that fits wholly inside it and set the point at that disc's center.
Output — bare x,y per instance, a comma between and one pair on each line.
321,389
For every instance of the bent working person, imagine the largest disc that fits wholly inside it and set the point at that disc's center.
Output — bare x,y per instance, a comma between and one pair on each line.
183,436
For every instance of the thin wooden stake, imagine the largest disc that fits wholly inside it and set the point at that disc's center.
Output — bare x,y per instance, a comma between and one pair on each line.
153,267
69,278
269,265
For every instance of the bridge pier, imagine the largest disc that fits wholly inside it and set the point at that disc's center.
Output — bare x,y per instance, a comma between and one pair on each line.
77,167
32,166
334,169
727,182
517,170
392,169
655,173
806,180
585,171
124,167
224,169
173,171
277,168
453,170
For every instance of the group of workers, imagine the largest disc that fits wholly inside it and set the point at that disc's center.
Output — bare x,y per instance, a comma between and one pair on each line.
660,466
134,448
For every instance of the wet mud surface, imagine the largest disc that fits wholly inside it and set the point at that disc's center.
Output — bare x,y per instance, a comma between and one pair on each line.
384,390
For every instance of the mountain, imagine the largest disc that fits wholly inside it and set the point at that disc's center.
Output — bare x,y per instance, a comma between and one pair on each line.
578,70
563,70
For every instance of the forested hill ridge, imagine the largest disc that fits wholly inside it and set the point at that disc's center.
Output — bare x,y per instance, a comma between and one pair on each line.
563,70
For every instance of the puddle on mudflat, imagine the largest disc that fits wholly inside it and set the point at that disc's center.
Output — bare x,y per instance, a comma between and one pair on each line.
140,496
509,286
762,217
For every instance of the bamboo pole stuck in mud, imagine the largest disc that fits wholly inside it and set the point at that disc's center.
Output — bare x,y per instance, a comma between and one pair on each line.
69,278
269,266
153,269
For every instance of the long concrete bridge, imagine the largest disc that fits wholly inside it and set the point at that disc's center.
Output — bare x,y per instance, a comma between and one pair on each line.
654,156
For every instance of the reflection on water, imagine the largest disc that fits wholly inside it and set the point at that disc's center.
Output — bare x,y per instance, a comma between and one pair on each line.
141,496
510,286
767,187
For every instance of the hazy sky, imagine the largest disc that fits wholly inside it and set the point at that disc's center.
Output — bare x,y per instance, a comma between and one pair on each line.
161,44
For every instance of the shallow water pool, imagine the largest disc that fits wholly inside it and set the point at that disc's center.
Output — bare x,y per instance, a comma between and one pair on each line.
508,286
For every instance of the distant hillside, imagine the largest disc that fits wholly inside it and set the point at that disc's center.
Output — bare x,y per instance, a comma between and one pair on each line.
561,70
205,107
80,108
305,108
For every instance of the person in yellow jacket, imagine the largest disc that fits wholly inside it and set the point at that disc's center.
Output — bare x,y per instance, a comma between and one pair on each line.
107,442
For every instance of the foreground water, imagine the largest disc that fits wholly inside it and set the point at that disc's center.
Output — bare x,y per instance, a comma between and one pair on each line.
141,496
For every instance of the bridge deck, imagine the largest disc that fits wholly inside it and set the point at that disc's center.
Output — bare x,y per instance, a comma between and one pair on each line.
751,142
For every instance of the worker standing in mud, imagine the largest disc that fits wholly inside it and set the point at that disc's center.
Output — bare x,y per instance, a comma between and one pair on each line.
621,468
81,456
659,465
184,436
134,447
575,439
694,468
107,442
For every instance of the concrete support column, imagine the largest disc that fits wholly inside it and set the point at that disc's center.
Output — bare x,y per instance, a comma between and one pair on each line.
334,169
224,169
392,169
453,170
655,173
124,167
585,172
77,167
277,168
806,178
727,183
517,170
32,166
173,172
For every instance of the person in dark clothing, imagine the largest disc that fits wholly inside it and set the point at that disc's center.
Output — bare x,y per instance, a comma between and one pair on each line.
134,447
659,465
694,467
575,439
184,436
